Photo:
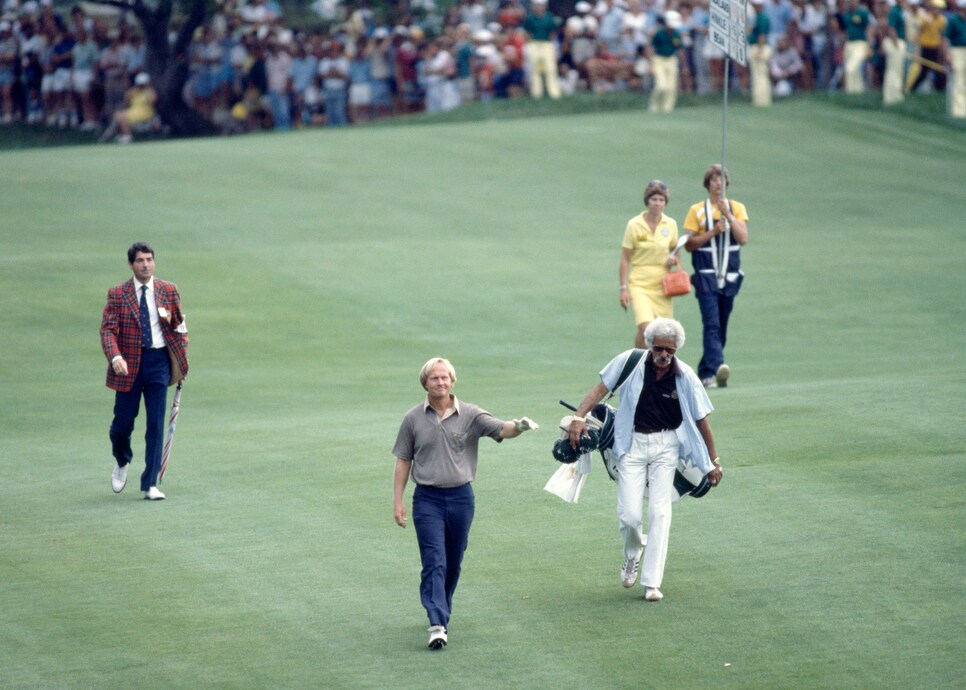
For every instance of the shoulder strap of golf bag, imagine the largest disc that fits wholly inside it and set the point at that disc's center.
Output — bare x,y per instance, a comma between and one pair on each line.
629,365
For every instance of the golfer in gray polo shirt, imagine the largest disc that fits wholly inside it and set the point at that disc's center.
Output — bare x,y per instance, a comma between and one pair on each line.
437,444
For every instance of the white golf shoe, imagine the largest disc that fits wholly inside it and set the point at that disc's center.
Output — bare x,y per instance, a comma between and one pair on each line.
118,478
721,377
629,571
437,637
653,594
153,494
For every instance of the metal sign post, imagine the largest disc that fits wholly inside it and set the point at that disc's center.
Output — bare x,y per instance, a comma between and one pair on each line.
726,30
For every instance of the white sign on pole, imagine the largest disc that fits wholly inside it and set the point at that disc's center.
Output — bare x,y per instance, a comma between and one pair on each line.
726,28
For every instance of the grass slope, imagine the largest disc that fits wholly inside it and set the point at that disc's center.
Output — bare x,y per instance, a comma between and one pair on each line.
320,269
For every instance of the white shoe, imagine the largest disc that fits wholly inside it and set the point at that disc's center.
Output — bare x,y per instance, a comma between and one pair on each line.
709,382
153,494
437,637
724,371
124,139
629,571
653,594
118,478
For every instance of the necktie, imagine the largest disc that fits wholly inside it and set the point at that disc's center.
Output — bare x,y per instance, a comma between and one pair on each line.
146,340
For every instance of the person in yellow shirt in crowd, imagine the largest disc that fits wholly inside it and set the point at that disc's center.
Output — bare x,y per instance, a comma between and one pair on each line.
140,100
932,24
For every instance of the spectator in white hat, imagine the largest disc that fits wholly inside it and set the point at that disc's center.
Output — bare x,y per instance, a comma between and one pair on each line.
140,100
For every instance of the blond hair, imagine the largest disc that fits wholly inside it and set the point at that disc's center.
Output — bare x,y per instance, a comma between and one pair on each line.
430,365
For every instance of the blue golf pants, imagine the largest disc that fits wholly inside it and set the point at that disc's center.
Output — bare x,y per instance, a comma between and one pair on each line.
442,518
151,382
715,312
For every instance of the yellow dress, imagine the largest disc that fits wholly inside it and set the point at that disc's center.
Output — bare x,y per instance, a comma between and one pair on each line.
141,108
649,252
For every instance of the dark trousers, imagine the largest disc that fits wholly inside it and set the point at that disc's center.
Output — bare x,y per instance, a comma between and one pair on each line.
715,311
442,518
151,381
939,78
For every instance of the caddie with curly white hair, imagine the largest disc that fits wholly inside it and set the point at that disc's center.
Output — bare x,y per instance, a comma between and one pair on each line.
663,416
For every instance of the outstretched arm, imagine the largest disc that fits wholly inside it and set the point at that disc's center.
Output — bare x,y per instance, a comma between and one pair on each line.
515,427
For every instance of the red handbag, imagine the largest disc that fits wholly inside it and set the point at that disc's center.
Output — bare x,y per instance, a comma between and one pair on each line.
676,282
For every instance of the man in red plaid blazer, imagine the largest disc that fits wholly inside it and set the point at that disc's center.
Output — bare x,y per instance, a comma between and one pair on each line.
145,340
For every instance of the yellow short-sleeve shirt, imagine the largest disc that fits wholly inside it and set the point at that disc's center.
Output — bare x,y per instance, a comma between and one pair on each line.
649,250
931,28
695,222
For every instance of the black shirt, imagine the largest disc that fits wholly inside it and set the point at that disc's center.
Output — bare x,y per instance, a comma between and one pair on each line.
658,407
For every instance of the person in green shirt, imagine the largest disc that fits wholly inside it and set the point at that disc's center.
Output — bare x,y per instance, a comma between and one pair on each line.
759,25
541,50
894,50
666,44
857,24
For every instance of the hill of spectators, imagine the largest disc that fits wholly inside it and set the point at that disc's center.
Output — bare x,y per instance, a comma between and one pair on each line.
84,68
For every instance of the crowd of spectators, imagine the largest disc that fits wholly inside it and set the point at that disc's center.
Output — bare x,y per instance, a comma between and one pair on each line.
250,70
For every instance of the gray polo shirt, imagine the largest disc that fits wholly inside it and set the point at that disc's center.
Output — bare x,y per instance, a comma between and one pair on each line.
444,451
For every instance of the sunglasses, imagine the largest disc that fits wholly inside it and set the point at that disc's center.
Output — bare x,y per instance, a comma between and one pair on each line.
658,184
660,348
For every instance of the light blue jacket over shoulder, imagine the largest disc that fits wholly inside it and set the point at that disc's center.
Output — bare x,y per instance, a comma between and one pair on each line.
695,406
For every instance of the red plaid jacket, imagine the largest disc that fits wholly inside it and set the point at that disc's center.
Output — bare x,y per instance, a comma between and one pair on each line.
121,332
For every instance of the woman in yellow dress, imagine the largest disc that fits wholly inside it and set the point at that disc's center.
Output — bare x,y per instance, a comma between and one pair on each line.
649,239
140,100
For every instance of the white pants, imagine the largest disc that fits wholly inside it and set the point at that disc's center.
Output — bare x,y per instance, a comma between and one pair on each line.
542,56
958,85
856,53
665,92
649,463
895,63
760,79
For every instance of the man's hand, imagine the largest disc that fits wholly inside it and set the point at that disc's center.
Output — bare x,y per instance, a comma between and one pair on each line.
578,428
525,424
399,514
714,476
120,366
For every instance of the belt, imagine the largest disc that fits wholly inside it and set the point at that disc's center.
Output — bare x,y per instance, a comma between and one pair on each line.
645,430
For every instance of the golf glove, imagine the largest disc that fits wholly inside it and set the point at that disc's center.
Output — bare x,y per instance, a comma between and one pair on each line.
525,424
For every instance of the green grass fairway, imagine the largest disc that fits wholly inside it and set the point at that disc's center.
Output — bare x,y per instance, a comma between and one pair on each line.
320,269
